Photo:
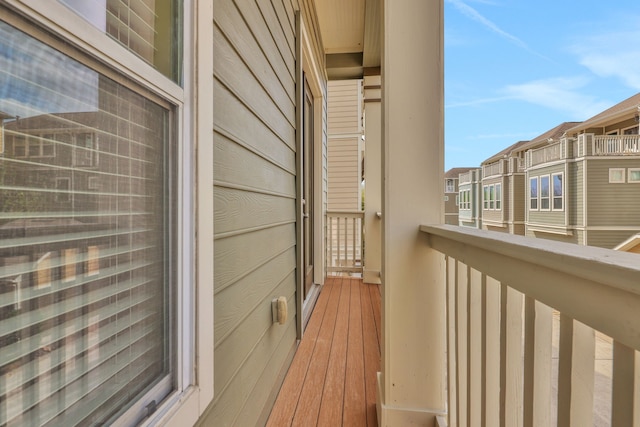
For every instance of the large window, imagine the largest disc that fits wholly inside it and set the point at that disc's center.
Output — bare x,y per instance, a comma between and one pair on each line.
498,197
544,192
87,232
558,192
533,193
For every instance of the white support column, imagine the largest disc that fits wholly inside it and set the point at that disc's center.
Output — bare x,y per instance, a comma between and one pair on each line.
373,179
412,381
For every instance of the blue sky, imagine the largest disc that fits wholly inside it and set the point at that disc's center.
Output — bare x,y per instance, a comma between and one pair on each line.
517,68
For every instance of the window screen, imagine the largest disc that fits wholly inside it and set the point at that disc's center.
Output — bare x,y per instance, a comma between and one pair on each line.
85,232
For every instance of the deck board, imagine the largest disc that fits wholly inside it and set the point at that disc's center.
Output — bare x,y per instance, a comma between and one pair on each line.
332,379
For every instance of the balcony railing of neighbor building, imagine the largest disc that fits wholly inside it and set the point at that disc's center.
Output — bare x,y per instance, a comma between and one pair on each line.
464,178
612,145
345,241
549,153
515,307
493,169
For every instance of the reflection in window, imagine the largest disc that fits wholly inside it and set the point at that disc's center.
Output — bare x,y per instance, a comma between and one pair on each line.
146,27
533,193
634,175
558,191
544,192
95,272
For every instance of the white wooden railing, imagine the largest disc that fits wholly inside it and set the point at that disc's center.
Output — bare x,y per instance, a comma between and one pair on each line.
545,154
493,169
611,145
515,307
464,178
345,243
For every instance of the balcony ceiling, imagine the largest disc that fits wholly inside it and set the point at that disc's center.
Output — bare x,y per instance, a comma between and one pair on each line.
350,32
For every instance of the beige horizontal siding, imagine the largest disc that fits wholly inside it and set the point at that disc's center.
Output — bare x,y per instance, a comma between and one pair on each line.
611,204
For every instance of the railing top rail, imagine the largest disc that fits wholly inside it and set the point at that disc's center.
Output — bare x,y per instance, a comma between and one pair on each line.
619,270
349,213
598,287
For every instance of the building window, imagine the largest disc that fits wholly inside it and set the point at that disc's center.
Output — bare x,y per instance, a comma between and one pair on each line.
633,130
634,174
446,198
458,200
498,197
533,193
491,197
558,192
147,28
100,285
485,197
544,193
449,186
617,175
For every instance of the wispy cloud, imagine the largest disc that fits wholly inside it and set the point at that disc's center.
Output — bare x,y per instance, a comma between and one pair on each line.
612,54
514,136
478,102
560,94
473,14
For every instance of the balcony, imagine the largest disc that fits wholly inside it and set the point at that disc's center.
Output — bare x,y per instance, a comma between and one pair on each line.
616,145
493,169
538,333
502,296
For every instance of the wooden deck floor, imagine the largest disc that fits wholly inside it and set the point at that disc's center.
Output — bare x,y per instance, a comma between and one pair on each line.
332,379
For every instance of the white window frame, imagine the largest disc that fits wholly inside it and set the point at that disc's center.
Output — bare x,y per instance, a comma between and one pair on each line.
449,186
634,127
552,193
537,198
498,196
485,197
65,197
57,19
612,175
633,181
540,197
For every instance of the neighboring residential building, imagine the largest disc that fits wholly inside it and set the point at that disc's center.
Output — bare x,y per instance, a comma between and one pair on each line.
470,198
451,196
503,190
583,186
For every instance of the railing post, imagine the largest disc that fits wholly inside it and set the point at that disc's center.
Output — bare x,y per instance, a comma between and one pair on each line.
412,389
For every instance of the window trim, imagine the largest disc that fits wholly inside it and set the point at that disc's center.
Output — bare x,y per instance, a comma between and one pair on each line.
541,198
632,181
552,192
54,25
622,180
537,198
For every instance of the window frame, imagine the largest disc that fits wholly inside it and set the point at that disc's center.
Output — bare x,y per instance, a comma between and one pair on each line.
623,174
449,186
629,172
485,197
537,197
54,24
552,192
542,198
498,196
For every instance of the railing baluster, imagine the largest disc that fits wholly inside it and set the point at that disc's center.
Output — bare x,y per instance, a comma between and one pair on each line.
452,353
461,343
330,240
491,352
338,240
537,363
510,357
353,250
474,303
625,379
575,373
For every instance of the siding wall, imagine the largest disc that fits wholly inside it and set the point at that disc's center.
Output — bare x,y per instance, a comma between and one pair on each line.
255,204
611,204
609,238
575,193
344,144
